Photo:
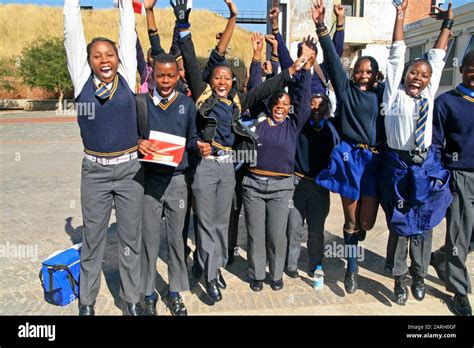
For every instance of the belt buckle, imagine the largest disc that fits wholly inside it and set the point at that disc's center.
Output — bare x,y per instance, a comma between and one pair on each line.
414,152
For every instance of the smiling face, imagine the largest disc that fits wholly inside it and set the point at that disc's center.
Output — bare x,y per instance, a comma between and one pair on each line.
166,77
467,71
364,75
281,109
104,61
417,78
221,81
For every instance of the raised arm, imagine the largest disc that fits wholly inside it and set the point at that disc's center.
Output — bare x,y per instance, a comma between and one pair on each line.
255,79
75,45
229,29
300,98
127,43
396,59
155,42
141,62
437,54
336,72
338,38
271,86
174,50
283,54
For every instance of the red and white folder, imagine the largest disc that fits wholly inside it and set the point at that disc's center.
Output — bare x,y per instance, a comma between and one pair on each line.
170,149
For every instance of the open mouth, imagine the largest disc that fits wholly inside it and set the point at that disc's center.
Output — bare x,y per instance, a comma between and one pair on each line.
363,86
222,91
414,88
166,90
279,114
106,71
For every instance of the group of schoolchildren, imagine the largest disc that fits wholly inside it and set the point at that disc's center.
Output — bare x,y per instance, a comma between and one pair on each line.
311,129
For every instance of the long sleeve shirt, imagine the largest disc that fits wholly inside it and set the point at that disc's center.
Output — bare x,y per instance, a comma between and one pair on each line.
76,47
402,111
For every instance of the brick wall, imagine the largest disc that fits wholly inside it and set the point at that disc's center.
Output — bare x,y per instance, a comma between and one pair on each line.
417,10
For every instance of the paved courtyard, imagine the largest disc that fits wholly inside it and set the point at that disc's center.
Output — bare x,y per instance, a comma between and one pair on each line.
40,213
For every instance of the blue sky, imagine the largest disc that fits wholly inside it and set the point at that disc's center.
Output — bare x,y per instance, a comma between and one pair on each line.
217,5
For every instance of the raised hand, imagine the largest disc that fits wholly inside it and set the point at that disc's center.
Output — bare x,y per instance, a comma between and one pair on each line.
149,4
257,42
273,15
300,63
232,8
442,14
267,67
339,11
308,49
403,6
318,12
181,10
204,149
271,39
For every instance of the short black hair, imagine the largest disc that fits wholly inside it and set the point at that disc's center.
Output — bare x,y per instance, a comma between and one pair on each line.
100,39
468,59
275,98
373,62
164,58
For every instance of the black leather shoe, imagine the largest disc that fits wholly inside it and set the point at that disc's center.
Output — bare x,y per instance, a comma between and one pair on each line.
213,291
361,235
256,285
177,307
220,280
277,284
418,288
350,282
86,310
461,305
134,309
400,290
196,269
292,273
150,307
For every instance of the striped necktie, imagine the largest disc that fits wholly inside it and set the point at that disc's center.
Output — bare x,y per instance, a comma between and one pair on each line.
421,124
103,92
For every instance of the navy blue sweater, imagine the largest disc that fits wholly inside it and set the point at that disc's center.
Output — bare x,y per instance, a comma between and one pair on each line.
276,156
453,130
223,112
314,148
358,116
111,129
178,118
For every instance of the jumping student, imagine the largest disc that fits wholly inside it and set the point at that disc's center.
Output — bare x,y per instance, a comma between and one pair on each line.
453,139
219,108
173,114
268,187
104,76
414,187
354,162
311,201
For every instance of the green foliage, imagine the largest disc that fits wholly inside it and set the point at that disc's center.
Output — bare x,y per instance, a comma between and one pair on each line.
7,73
44,65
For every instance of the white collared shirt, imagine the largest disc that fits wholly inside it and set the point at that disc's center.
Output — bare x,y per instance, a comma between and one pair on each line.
76,47
97,82
157,98
402,111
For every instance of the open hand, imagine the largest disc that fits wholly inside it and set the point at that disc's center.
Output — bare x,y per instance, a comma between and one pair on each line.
318,11
257,42
274,15
146,147
442,14
181,10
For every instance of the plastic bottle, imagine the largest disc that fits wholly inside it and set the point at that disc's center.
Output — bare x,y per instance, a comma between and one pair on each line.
318,280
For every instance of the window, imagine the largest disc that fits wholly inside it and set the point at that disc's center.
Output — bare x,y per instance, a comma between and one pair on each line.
470,46
447,79
349,7
416,52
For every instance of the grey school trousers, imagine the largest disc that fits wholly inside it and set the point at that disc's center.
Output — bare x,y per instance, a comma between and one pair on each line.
213,189
419,249
100,187
266,205
310,202
168,194
450,259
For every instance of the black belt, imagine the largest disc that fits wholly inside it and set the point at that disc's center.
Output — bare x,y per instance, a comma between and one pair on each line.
413,152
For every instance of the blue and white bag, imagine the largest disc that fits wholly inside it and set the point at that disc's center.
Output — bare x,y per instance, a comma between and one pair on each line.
59,276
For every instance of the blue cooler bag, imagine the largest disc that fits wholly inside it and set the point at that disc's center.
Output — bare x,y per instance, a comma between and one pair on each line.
59,276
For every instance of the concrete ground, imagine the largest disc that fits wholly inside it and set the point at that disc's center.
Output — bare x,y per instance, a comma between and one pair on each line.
40,213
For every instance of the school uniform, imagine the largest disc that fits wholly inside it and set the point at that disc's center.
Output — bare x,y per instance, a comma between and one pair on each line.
145,70
267,189
414,187
310,201
214,180
111,172
453,139
166,191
